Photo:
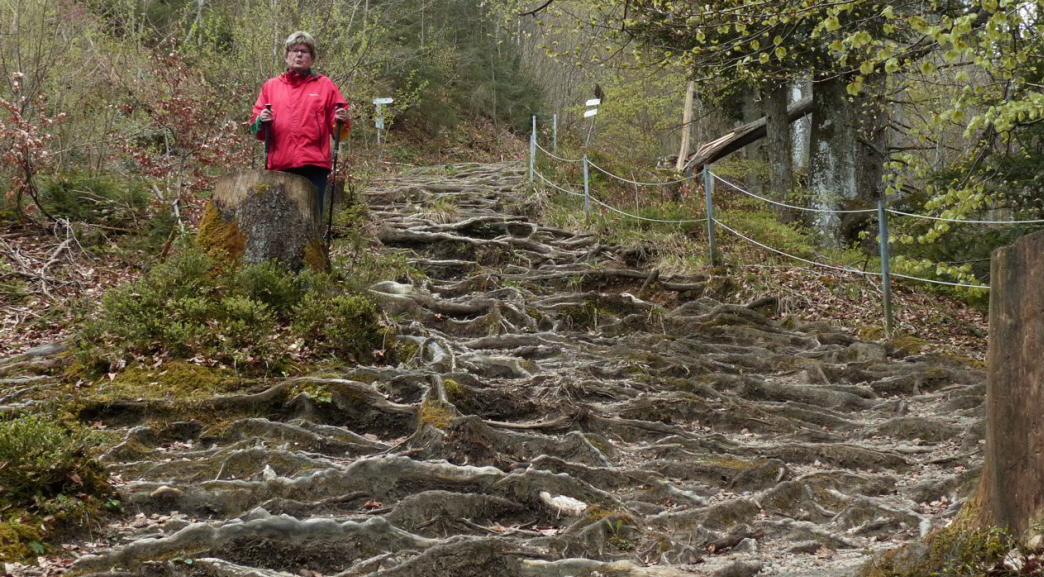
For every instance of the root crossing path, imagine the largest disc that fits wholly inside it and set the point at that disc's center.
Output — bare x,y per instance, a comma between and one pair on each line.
558,411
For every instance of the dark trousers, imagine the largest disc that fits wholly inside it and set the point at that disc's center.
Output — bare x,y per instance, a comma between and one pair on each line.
318,176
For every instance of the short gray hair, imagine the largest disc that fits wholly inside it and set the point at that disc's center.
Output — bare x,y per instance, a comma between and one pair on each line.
300,37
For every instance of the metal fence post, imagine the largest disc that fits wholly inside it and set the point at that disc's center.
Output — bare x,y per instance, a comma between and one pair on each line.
554,133
708,190
587,188
886,268
532,156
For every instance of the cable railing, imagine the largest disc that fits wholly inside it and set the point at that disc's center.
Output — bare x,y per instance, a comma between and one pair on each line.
741,190
709,179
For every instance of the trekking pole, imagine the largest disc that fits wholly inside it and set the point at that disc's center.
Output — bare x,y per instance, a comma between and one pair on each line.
268,135
333,175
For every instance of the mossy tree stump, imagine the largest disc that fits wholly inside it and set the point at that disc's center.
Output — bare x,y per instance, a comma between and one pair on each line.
260,215
1011,489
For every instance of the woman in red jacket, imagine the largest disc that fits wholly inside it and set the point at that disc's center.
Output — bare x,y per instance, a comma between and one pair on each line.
305,109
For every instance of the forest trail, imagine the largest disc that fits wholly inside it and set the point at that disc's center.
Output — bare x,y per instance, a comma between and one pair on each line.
565,414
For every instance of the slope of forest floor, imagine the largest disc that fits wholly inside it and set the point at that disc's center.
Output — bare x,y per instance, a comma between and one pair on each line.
555,411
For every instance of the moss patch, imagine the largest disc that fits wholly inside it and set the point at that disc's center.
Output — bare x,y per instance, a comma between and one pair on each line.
221,241
961,550
172,380
435,414
316,257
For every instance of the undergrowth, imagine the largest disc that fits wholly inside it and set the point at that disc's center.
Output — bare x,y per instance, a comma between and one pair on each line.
257,320
49,484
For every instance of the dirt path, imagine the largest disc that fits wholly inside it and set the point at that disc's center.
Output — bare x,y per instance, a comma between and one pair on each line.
562,415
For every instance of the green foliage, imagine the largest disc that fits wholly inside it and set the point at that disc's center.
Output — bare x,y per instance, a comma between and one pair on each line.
347,326
94,199
48,482
12,287
957,551
42,460
248,318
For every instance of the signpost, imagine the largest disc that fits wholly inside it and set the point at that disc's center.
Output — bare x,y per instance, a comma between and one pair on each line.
378,117
592,109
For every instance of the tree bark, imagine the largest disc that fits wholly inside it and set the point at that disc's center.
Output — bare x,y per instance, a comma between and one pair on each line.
683,154
725,145
755,153
780,153
260,215
1010,492
845,165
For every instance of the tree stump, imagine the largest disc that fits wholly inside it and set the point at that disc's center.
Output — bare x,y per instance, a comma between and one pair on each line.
260,215
1011,489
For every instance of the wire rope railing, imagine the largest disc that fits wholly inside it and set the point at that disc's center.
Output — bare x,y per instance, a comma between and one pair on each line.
795,257
555,186
741,190
554,156
963,221
644,218
635,182
709,177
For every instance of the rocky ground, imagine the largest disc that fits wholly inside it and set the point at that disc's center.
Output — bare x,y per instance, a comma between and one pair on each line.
561,412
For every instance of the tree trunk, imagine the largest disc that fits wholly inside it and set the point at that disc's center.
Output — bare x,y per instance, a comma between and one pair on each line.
1010,492
683,154
802,90
845,165
781,167
755,153
260,215
725,145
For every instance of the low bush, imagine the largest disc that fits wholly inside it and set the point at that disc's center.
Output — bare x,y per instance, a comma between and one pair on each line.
48,483
94,199
251,318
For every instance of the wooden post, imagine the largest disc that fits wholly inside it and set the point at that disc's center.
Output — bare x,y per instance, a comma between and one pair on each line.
683,154
1011,494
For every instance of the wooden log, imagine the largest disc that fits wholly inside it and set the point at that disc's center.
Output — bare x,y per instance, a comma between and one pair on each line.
260,215
752,132
1011,493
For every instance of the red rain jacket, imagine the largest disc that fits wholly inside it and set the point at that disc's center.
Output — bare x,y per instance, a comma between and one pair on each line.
303,119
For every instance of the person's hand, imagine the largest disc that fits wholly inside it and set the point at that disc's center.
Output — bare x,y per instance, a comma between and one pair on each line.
341,114
265,116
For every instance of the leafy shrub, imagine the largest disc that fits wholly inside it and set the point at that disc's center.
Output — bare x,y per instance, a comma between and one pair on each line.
93,199
271,284
247,317
345,325
48,484
40,459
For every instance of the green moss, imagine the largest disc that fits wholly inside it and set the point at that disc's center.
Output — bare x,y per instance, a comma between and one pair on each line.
316,258
963,549
435,414
407,349
906,344
454,390
172,380
19,541
221,241
49,484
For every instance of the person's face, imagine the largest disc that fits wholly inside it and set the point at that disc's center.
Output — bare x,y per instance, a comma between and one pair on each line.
298,58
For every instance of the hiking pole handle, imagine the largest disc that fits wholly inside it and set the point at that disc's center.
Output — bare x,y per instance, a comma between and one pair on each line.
333,174
268,135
